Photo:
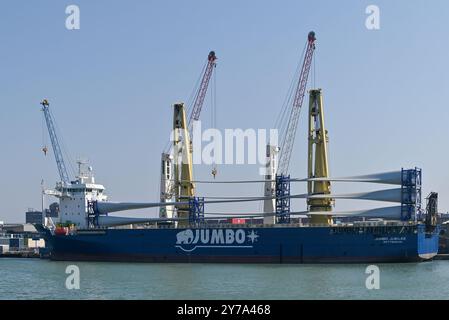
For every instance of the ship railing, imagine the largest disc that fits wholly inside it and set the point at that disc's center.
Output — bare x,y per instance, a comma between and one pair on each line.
231,225
290,225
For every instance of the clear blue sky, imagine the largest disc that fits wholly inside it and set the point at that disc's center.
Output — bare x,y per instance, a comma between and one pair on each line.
111,85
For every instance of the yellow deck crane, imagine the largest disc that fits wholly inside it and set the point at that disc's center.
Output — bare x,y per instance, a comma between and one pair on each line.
317,161
183,168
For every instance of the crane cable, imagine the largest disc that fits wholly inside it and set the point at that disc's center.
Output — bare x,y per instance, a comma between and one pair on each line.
63,146
213,93
314,71
281,122
190,102
44,136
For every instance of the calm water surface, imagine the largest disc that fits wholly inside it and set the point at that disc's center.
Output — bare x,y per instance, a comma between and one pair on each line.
43,279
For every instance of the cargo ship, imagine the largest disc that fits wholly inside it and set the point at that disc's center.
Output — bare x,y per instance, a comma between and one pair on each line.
86,230
187,232
363,243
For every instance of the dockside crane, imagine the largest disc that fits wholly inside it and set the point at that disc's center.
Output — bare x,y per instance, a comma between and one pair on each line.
169,174
62,168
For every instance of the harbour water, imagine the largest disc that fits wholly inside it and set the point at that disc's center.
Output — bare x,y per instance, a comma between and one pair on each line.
43,279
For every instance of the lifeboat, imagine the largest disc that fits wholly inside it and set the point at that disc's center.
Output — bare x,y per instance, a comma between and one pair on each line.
61,231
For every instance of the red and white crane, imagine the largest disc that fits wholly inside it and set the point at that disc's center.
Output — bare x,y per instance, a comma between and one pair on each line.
202,90
290,133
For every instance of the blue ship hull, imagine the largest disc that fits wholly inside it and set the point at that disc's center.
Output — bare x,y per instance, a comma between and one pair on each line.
234,244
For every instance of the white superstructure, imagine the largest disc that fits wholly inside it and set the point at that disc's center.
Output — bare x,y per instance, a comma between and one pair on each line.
74,197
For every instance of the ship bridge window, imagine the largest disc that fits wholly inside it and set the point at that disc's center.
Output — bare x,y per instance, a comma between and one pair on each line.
76,190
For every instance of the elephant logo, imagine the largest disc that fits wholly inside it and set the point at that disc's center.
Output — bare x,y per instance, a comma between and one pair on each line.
184,237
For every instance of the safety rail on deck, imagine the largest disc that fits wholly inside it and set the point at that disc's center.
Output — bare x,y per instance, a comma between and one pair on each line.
291,225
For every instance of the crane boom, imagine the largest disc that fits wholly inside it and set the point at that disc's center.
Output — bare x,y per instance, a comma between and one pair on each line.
201,94
55,143
289,138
